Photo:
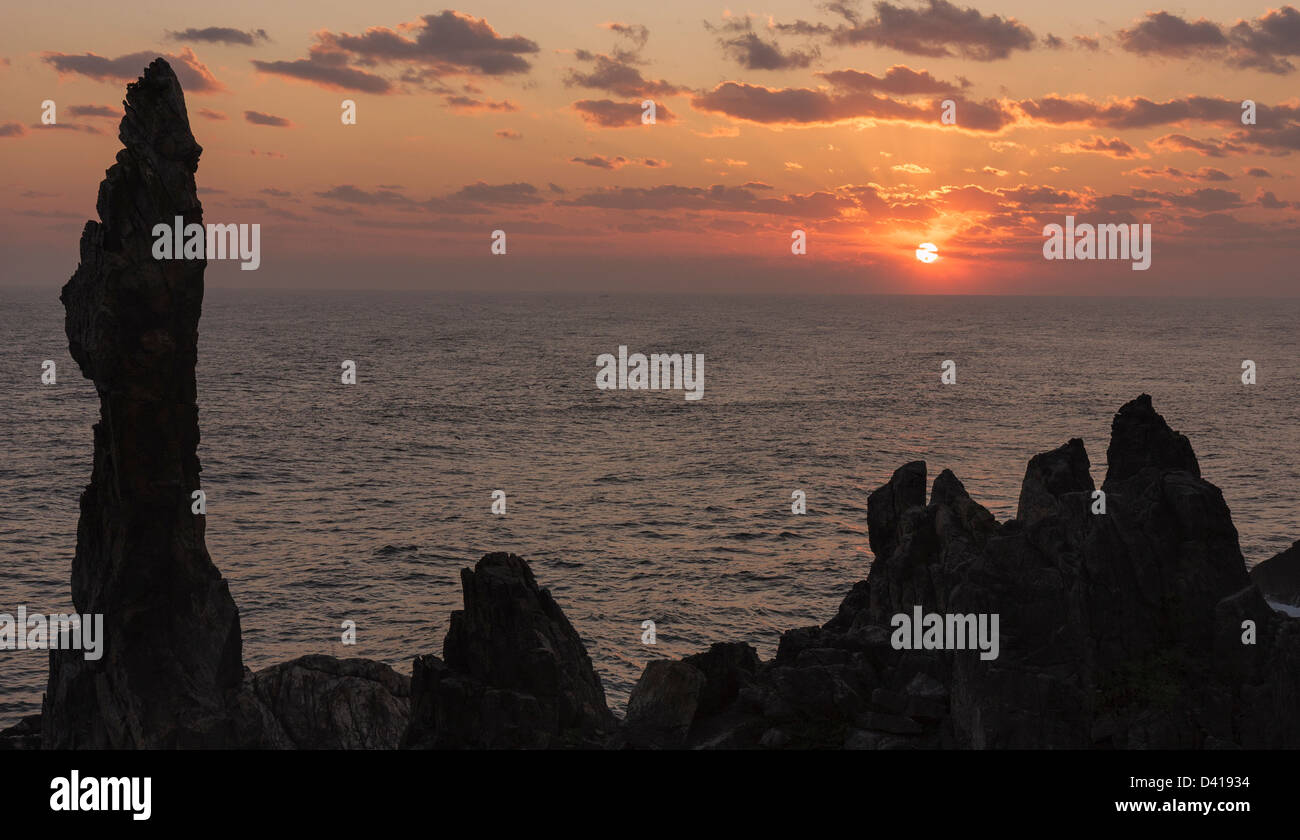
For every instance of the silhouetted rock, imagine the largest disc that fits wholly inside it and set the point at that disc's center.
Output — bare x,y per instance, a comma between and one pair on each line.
24,735
323,703
514,672
1051,476
1141,439
1279,576
663,704
172,643
1135,628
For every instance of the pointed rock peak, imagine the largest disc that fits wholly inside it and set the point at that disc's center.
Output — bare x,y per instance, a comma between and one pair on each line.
1051,475
885,506
156,123
1140,439
947,489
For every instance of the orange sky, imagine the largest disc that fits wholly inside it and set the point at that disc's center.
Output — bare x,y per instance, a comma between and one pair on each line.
824,118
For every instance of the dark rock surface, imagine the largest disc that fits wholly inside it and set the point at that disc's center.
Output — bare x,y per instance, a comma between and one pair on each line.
1279,576
323,703
1122,629
172,642
514,672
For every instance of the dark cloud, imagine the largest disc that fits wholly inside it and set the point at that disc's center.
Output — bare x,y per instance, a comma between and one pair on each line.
1258,172
936,28
328,69
1207,148
900,80
193,75
210,114
1266,199
349,194
743,45
618,162
12,129
274,193
1164,34
1266,43
450,42
87,129
1205,173
258,118
446,44
480,192
804,106
94,111
468,103
1113,147
220,35
617,76
508,134
606,113
817,205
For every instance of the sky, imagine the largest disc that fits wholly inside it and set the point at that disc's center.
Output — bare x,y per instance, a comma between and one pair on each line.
825,118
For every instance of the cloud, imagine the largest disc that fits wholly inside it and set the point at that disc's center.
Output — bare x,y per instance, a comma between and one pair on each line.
421,52
467,103
220,35
12,129
258,118
88,129
603,162
805,106
1207,148
606,113
94,111
210,114
817,205
508,134
1113,147
1205,173
192,74
1266,43
1266,199
480,192
328,69
1258,172
936,29
900,80
743,45
449,43
617,72
1164,34
910,168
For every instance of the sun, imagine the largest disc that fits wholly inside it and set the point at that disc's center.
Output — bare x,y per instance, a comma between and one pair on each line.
927,252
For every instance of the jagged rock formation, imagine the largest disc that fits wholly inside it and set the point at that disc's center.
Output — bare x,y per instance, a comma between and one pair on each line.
323,703
514,672
1279,576
172,652
1122,629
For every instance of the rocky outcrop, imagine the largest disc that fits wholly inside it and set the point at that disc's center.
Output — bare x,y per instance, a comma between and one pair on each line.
1137,627
514,673
323,703
1279,577
172,654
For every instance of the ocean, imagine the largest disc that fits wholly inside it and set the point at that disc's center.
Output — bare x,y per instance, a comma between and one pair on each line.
330,502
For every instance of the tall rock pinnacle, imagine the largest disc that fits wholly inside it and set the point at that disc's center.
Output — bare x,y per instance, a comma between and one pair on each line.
172,650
